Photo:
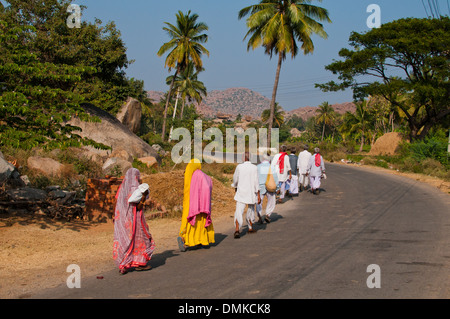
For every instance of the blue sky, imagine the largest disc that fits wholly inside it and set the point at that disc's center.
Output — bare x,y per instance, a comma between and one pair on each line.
229,64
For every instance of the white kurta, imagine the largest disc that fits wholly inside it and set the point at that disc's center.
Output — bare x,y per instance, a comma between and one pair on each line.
245,179
314,170
303,161
282,177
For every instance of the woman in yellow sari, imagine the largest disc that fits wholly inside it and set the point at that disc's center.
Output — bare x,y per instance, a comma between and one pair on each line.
196,225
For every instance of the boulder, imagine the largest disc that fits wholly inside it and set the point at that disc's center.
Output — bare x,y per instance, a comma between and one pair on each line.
114,163
6,170
122,154
27,194
46,166
111,132
150,161
130,114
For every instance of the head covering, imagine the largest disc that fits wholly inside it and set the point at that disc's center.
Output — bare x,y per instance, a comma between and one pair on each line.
191,167
129,184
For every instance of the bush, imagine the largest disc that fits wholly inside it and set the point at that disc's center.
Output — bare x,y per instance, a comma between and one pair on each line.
433,147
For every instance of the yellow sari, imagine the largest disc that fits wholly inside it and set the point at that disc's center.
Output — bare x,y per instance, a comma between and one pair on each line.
198,234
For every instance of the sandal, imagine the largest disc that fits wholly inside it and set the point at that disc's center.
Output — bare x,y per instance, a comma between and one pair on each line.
181,245
123,271
236,234
142,268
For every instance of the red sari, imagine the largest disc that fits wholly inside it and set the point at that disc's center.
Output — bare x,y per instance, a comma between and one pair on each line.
133,243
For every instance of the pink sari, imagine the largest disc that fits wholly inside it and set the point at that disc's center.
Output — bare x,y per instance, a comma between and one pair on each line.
133,243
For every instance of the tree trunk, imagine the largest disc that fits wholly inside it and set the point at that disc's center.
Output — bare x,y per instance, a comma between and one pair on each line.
274,97
174,113
362,142
182,108
323,130
167,104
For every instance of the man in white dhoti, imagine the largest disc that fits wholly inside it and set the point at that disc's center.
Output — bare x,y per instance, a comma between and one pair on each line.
302,165
293,182
316,169
280,164
263,171
245,181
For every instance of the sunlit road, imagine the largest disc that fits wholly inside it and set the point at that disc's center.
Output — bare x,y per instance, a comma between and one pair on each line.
316,247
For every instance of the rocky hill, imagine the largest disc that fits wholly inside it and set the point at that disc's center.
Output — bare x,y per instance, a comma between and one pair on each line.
310,111
234,101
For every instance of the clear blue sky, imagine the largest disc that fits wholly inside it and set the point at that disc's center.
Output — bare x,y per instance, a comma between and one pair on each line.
229,64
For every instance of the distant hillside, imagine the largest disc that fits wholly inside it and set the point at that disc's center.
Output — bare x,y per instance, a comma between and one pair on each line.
231,102
246,102
310,111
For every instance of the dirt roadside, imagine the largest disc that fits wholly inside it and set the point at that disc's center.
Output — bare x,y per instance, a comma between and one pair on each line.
35,251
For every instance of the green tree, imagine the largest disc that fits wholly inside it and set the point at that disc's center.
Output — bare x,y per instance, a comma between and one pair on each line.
278,25
357,123
186,45
188,86
408,60
278,116
325,116
48,70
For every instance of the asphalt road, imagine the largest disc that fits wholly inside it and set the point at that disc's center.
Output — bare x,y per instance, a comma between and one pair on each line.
317,246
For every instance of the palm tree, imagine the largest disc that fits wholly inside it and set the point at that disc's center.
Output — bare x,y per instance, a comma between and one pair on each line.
277,25
185,45
278,117
188,87
325,116
357,123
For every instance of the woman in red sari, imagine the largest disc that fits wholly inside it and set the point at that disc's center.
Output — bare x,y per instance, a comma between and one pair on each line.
133,243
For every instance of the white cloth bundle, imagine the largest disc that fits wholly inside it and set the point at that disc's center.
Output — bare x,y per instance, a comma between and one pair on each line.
138,193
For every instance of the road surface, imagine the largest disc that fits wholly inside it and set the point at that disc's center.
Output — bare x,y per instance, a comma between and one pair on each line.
317,246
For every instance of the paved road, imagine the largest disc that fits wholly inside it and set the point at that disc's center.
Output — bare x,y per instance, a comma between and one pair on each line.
316,247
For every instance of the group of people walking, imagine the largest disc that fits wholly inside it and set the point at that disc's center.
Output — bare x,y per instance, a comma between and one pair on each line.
283,175
133,244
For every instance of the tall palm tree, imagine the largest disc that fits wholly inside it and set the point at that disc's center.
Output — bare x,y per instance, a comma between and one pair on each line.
278,117
326,115
185,45
277,25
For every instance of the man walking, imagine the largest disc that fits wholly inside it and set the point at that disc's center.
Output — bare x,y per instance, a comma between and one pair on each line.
293,182
316,169
280,164
245,181
263,171
302,164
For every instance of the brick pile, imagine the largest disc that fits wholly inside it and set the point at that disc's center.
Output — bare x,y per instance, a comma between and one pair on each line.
101,200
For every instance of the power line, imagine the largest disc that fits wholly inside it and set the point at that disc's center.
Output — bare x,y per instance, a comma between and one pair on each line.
426,11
